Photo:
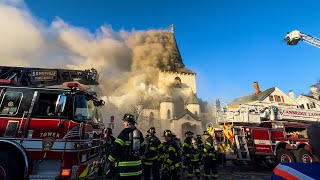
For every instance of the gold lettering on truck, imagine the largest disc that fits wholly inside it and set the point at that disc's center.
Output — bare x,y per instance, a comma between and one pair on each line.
49,134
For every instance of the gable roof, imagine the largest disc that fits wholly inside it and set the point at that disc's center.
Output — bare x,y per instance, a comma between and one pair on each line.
192,99
187,112
253,97
311,97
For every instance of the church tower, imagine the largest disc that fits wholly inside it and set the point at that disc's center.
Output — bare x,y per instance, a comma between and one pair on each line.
166,112
193,104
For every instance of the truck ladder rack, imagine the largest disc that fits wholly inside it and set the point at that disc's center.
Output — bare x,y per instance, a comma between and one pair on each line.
24,76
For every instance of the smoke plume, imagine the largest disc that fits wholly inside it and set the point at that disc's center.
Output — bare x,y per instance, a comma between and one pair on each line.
126,60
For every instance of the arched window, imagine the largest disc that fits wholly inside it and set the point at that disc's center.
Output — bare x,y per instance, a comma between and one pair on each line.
151,119
177,82
168,114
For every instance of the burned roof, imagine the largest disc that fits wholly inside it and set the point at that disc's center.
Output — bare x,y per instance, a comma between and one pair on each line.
253,97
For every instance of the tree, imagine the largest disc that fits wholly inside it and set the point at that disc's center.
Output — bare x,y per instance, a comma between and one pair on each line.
138,110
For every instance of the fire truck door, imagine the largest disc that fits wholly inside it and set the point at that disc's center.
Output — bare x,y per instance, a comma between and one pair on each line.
262,141
26,118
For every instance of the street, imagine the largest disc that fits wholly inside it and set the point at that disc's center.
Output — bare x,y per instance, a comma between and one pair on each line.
230,172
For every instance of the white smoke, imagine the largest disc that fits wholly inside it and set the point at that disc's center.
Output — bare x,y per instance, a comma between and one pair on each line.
127,61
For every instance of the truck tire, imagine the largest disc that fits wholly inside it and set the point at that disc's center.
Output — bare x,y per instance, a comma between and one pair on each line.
284,155
10,167
303,155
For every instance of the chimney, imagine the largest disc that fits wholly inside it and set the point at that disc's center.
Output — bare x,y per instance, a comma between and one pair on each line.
291,94
314,91
256,87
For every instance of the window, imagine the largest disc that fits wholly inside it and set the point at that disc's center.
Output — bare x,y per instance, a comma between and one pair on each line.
151,119
277,98
301,106
83,110
46,105
168,114
10,103
271,98
196,113
312,105
177,82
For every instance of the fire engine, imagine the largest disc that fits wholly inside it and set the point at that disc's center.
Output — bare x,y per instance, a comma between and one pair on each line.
270,134
50,125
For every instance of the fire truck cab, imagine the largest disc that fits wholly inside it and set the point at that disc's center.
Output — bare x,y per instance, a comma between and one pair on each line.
50,128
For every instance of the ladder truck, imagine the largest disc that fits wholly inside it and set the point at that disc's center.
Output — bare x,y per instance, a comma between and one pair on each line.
270,134
50,124
292,38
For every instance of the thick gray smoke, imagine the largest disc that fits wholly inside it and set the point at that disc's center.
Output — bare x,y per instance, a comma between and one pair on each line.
127,61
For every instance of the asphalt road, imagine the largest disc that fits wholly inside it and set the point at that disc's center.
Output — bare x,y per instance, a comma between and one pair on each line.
239,173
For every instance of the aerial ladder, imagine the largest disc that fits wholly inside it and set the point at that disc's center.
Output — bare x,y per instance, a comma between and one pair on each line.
292,38
40,77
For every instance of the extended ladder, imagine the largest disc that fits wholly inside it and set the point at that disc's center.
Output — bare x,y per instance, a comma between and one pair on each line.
24,76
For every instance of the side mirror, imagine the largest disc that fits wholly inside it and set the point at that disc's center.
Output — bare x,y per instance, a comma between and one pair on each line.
60,104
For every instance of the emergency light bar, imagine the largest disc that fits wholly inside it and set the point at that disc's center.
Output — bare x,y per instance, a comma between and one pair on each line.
73,85
8,81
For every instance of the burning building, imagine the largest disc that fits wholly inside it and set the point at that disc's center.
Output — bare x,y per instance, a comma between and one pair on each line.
177,109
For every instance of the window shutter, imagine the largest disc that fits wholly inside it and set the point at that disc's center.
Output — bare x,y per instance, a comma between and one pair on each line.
276,97
282,99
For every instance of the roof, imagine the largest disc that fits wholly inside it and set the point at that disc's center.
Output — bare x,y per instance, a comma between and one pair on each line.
167,99
192,99
185,70
253,97
187,112
308,96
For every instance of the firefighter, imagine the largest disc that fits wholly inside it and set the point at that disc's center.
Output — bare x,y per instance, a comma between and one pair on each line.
210,165
151,161
109,144
200,147
177,143
191,157
127,150
171,163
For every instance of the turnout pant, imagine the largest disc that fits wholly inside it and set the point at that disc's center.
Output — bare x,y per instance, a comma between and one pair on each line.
193,169
154,168
128,178
210,168
173,174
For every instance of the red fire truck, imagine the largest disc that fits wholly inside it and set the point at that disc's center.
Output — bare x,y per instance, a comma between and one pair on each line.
50,125
264,134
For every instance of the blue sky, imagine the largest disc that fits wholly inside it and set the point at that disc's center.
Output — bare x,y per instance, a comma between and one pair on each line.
230,44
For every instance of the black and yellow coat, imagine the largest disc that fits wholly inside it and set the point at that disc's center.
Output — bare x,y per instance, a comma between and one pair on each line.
154,150
171,156
209,149
127,164
187,149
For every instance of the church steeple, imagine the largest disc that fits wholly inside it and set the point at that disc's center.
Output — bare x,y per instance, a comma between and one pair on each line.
192,99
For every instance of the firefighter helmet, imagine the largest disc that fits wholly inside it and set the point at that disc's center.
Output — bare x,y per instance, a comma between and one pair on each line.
206,133
152,130
188,133
167,133
129,118
198,136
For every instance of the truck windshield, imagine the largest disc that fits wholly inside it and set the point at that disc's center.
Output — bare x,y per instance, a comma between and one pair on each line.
83,109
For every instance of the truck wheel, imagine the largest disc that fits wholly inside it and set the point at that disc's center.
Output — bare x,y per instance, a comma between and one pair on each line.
303,155
284,155
10,168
